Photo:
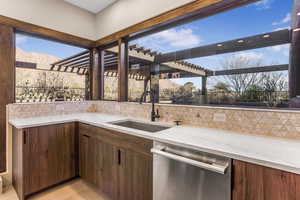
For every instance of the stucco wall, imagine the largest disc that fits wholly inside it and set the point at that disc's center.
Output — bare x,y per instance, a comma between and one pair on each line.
126,13
54,14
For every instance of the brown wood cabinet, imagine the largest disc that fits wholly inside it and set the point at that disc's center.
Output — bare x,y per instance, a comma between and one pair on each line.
119,165
254,182
43,156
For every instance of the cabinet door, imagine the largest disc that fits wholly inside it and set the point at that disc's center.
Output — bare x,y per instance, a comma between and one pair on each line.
49,156
39,168
31,161
254,182
135,176
98,164
85,157
107,164
64,153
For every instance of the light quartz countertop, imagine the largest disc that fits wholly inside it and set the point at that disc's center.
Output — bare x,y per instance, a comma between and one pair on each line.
276,153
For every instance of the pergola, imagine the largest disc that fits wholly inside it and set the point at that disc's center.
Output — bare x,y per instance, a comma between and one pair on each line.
141,61
140,67
144,62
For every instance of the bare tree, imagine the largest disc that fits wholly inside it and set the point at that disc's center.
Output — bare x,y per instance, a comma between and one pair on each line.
49,80
275,85
275,81
241,82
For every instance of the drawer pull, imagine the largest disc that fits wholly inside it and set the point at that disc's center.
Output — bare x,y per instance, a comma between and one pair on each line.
119,157
25,137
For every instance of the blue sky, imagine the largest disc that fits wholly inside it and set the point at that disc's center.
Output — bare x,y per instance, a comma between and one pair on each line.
31,44
264,16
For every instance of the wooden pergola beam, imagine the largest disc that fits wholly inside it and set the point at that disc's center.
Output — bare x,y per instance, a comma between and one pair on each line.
69,62
148,58
241,44
97,74
70,58
111,59
250,70
78,64
123,70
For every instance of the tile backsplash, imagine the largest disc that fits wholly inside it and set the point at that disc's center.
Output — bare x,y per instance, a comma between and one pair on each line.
276,123
27,110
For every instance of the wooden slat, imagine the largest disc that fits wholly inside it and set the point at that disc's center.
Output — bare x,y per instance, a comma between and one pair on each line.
111,62
241,44
272,68
111,58
78,63
70,58
70,62
46,33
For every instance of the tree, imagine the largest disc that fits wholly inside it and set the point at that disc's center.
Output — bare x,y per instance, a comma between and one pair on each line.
186,94
274,85
275,81
222,87
241,82
268,88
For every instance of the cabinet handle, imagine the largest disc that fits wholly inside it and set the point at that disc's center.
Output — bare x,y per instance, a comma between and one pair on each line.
119,157
233,177
87,136
25,136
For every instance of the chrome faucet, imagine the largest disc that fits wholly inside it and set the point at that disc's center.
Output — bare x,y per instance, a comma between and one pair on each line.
154,115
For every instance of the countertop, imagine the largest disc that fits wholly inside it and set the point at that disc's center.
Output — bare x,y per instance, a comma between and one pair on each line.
270,152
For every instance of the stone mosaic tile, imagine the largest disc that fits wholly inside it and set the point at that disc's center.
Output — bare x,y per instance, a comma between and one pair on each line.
249,121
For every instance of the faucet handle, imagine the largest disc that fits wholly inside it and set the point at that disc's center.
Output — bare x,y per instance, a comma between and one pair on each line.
157,113
178,122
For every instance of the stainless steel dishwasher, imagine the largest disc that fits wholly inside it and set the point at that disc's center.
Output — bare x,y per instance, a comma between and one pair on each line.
184,174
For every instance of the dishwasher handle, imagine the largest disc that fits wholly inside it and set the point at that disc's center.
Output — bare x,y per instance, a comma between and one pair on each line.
221,169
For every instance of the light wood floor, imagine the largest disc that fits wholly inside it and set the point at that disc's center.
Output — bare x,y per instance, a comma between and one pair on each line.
73,190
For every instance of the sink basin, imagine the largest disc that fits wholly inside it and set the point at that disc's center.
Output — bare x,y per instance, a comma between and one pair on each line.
141,126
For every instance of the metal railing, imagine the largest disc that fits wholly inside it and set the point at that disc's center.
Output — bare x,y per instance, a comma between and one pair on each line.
48,94
249,98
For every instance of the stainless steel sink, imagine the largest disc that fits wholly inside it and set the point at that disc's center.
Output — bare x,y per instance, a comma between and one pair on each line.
140,126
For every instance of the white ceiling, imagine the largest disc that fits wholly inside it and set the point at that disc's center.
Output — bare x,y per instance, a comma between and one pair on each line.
94,6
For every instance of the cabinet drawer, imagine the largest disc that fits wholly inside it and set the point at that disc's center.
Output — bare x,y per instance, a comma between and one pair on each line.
123,140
